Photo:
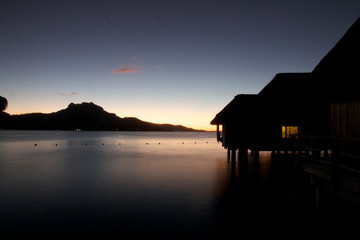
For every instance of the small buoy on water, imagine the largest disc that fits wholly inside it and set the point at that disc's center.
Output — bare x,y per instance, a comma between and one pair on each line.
195,142
55,144
182,142
85,144
159,143
119,143
147,143
35,144
103,144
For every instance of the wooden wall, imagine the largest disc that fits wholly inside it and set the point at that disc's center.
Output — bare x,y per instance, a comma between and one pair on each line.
345,118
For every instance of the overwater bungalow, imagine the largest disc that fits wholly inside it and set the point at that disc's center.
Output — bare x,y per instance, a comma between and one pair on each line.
289,105
235,122
315,114
333,161
294,104
338,76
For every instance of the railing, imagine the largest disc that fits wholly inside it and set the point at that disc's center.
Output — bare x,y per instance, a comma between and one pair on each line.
333,163
333,149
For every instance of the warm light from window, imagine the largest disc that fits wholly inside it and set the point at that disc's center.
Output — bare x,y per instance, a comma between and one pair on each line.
289,131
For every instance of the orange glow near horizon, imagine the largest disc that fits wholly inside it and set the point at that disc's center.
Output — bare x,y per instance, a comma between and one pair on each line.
187,118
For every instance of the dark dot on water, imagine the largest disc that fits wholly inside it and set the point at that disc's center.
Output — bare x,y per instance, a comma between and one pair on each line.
35,144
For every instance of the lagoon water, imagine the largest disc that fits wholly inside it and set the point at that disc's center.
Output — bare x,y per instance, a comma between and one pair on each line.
59,183
139,185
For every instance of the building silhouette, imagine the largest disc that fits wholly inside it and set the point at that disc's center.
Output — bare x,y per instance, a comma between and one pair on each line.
324,102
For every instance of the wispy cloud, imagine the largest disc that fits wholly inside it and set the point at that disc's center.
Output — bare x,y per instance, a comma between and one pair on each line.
128,68
159,67
125,70
68,94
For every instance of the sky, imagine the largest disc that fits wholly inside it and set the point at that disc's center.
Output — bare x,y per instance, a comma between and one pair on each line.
162,61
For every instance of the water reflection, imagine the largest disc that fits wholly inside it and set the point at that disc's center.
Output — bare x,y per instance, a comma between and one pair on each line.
268,197
65,187
176,189
261,196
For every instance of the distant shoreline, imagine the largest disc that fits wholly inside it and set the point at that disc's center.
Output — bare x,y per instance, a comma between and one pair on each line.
67,130
84,117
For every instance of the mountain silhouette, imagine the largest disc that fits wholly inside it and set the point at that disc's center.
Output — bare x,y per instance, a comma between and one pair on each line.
85,116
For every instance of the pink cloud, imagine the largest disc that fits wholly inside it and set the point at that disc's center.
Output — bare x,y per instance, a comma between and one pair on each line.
68,95
158,67
125,70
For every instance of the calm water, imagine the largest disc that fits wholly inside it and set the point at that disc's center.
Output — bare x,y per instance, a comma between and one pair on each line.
115,183
138,185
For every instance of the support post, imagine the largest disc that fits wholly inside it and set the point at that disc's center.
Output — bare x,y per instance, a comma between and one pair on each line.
315,183
243,162
242,154
299,158
256,155
317,197
256,160
233,155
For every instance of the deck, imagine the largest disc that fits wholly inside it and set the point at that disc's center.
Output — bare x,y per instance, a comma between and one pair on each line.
332,163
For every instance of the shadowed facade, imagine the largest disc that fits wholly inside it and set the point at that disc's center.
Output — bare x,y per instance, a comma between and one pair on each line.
314,115
324,102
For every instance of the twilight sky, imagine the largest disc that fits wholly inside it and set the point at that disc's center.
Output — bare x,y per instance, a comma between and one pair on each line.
164,61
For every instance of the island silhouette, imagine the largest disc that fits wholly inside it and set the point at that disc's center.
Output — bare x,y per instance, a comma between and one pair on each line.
85,117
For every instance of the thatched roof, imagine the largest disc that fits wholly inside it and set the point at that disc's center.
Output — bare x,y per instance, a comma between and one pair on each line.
240,104
337,76
338,71
287,85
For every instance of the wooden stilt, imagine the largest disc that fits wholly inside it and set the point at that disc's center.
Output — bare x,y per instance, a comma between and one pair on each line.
315,154
243,154
256,155
233,155
326,154
317,197
243,162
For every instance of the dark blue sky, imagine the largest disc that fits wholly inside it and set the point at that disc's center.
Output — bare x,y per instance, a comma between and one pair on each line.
169,61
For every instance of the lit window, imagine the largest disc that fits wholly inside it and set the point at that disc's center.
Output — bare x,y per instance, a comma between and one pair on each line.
289,131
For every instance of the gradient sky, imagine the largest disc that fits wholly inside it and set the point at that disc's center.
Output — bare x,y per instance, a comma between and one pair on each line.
165,61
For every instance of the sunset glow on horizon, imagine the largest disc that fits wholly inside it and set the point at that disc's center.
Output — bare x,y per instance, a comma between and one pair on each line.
154,115
175,62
